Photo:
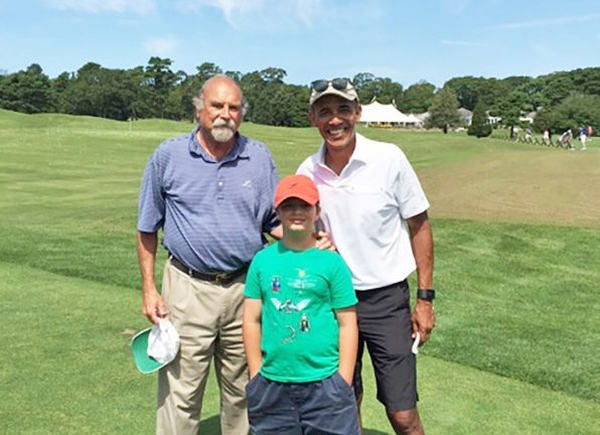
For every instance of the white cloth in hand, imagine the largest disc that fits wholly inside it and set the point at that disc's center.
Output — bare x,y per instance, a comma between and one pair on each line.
163,342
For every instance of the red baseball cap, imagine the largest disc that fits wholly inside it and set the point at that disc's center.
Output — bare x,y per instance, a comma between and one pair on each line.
296,186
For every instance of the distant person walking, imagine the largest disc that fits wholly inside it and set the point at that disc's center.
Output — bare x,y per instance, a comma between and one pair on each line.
546,137
583,137
566,139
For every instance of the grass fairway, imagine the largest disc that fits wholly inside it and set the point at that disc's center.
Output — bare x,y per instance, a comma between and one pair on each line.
517,231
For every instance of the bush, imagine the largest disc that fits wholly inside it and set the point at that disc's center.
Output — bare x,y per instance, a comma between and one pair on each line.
479,126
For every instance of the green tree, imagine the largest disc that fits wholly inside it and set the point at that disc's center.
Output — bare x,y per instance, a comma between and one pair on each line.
588,81
365,88
443,112
140,104
59,87
273,75
362,80
370,88
470,90
206,71
85,93
159,79
467,90
511,108
480,126
26,91
387,91
533,91
176,107
557,87
107,93
543,121
281,105
576,111
234,75
252,85
417,98
155,90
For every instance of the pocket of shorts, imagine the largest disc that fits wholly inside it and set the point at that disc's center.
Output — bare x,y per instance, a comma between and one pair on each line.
252,384
340,382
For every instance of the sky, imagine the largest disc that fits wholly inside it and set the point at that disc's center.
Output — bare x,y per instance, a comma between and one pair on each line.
406,41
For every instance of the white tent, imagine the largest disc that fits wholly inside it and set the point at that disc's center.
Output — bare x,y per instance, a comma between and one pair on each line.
377,113
386,114
413,120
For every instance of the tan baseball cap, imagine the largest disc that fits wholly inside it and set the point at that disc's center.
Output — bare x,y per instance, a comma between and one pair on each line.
342,87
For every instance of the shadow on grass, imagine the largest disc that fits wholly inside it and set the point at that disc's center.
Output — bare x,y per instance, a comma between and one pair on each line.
212,426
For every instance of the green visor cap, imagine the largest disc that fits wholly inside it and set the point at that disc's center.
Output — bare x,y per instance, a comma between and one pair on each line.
139,347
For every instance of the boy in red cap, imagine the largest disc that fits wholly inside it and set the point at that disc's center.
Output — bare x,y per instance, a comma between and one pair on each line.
299,327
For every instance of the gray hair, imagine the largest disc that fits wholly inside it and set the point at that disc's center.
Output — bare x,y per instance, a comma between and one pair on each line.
199,100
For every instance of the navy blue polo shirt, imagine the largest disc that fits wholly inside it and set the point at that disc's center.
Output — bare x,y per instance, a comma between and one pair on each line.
213,213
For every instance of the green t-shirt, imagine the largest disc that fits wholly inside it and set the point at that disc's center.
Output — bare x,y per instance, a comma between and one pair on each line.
299,291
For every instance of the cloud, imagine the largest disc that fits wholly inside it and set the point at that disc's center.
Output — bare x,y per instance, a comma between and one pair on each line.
162,47
229,8
261,13
548,22
141,7
306,11
464,43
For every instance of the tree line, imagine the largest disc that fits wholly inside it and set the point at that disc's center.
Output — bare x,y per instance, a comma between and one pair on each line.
561,99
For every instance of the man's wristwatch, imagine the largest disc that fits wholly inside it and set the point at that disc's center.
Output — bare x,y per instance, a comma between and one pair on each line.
426,294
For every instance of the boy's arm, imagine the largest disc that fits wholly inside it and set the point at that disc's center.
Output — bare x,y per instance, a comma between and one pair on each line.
252,334
348,342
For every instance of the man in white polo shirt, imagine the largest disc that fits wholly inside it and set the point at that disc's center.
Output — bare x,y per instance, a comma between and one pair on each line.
375,211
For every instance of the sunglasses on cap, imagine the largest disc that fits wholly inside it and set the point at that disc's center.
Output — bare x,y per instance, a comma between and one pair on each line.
339,83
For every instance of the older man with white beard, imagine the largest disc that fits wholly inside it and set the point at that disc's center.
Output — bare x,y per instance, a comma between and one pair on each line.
211,192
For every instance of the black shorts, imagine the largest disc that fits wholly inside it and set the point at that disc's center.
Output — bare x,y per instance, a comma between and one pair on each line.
384,326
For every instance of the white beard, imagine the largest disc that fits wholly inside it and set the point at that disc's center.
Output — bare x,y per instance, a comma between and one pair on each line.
222,134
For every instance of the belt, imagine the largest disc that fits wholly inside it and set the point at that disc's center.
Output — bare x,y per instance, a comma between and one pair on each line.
219,278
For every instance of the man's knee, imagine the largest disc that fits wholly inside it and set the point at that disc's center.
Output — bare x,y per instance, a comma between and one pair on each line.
406,422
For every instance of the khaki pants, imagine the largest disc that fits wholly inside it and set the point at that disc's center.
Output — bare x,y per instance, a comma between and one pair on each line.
208,318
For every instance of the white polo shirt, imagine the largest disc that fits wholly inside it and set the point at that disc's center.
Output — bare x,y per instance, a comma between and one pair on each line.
364,210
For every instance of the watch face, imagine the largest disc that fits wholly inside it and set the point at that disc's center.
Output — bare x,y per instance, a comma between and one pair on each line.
427,295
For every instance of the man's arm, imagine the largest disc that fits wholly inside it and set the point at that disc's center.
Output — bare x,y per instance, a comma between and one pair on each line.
277,232
421,238
252,334
348,342
152,303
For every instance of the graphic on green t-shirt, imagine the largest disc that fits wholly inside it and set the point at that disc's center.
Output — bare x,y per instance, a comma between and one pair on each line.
299,291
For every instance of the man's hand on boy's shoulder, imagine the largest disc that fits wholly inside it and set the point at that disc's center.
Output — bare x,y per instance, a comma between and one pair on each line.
323,240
